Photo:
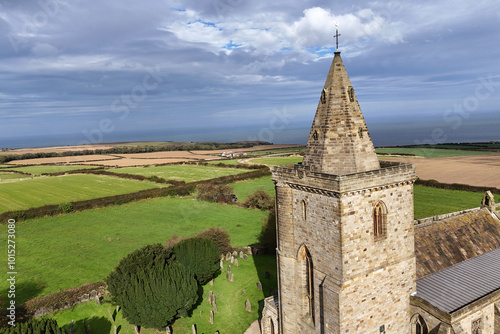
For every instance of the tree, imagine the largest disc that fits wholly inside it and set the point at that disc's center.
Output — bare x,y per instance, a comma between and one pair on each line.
220,237
156,297
259,200
200,256
219,193
34,326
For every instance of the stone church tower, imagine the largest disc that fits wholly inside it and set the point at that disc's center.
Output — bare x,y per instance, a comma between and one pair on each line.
346,260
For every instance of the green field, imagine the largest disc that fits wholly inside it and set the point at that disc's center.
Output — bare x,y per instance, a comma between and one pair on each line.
39,170
225,162
290,150
432,201
8,177
187,173
63,189
244,188
72,249
276,161
430,152
232,316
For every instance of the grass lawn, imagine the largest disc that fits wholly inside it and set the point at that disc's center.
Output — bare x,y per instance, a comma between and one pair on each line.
38,170
7,177
62,189
276,161
432,201
244,188
188,173
232,316
430,152
69,250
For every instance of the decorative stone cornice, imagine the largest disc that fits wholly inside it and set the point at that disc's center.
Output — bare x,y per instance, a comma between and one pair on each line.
324,192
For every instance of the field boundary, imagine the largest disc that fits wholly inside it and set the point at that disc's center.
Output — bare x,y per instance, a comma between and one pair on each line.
178,189
456,186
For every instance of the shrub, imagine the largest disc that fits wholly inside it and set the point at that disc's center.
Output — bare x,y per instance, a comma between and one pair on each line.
200,256
219,236
34,326
65,207
259,200
219,193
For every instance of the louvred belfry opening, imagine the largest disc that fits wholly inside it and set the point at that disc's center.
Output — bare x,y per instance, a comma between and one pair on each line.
339,142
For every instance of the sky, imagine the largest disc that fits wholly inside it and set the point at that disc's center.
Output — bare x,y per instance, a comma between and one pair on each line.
96,71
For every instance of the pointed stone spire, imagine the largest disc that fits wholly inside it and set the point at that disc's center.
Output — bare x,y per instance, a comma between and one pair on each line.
339,142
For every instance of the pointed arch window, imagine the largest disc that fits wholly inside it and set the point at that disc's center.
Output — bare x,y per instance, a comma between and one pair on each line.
304,210
350,92
421,326
307,281
379,219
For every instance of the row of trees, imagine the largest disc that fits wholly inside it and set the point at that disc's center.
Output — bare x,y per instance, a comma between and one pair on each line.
156,285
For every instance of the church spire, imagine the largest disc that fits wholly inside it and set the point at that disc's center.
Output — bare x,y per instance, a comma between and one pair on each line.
339,142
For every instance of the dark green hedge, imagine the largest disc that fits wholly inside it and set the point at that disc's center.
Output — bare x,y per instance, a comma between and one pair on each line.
455,186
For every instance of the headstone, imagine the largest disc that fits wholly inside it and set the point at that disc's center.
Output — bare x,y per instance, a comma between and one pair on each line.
115,330
216,310
98,300
259,285
235,253
85,297
227,275
244,293
232,259
201,313
117,308
228,256
137,329
212,282
93,294
232,278
111,315
193,328
236,263
168,330
241,254
268,274
248,306
229,268
221,264
211,317
245,257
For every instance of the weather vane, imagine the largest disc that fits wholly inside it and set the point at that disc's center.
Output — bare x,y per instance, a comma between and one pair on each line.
337,35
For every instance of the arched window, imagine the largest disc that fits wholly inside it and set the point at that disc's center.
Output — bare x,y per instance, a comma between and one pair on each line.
307,271
272,326
418,325
379,219
350,91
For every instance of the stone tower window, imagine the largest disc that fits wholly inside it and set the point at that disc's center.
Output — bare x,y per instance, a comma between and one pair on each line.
421,326
323,96
315,135
304,210
350,92
307,293
379,219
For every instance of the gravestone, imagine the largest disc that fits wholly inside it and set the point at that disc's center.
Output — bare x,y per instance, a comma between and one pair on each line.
227,275
211,317
228,256
241,254
243,292
221,264
193,329
229,268
259,285
232,259
168,330
245,257
216,310
236,262
201,313
248,306
115,330
212,282
235,253
232,278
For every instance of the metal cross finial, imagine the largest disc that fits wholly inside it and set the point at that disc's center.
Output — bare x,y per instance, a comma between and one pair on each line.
337,35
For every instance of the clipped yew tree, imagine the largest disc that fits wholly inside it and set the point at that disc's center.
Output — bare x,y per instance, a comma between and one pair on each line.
200,255
155,285
34,326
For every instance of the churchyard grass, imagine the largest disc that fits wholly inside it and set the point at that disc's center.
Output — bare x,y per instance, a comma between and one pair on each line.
69,250
429,152
231,317
187,173
46,169
63,189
